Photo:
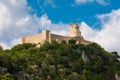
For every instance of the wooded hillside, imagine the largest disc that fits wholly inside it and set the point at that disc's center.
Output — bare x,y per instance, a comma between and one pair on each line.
58,61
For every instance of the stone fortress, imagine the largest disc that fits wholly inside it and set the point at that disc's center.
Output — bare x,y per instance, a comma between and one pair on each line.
47,36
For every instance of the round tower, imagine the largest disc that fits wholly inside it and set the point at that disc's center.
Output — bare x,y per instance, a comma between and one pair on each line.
74,30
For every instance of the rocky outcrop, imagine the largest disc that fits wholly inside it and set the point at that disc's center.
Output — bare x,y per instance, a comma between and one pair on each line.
3,70
117,77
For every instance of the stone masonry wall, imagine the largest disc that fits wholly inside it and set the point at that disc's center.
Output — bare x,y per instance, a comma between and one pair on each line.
32,39
59,38
47,36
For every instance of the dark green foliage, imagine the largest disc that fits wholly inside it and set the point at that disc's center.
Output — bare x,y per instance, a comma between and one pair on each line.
58,61
1,49
24,46
72,41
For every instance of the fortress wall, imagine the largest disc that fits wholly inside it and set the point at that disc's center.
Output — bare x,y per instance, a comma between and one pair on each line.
33,39
59,38
46,35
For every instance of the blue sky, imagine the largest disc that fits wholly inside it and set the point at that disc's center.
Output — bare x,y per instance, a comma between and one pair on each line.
99,20
68,11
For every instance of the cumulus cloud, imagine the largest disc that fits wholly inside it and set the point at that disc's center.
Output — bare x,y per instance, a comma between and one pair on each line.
59,28
87,31
109,36
83,1
16,22
45,21
101,2
50,2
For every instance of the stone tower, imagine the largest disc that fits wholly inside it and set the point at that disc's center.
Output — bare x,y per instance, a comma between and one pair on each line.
74,30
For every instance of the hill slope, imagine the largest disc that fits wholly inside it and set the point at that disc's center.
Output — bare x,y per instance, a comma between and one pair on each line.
58,61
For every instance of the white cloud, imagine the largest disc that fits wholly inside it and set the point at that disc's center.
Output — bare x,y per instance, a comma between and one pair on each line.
50,2
59,28
109,36
101,2
83,1
16,22
87,31
44,20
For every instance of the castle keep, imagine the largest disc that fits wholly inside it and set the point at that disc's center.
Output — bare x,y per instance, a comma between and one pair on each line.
47,36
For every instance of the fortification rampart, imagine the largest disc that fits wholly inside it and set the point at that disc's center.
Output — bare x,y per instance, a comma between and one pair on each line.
59,38
47,36
32,39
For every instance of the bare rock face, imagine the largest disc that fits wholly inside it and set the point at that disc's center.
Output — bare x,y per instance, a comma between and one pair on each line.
117,77
3,70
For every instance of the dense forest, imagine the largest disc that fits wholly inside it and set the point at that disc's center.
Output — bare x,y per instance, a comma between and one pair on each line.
58,61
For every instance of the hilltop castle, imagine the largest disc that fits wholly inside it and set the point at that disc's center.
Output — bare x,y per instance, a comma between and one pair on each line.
47,36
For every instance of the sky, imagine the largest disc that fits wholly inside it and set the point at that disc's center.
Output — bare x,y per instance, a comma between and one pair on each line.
99,20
